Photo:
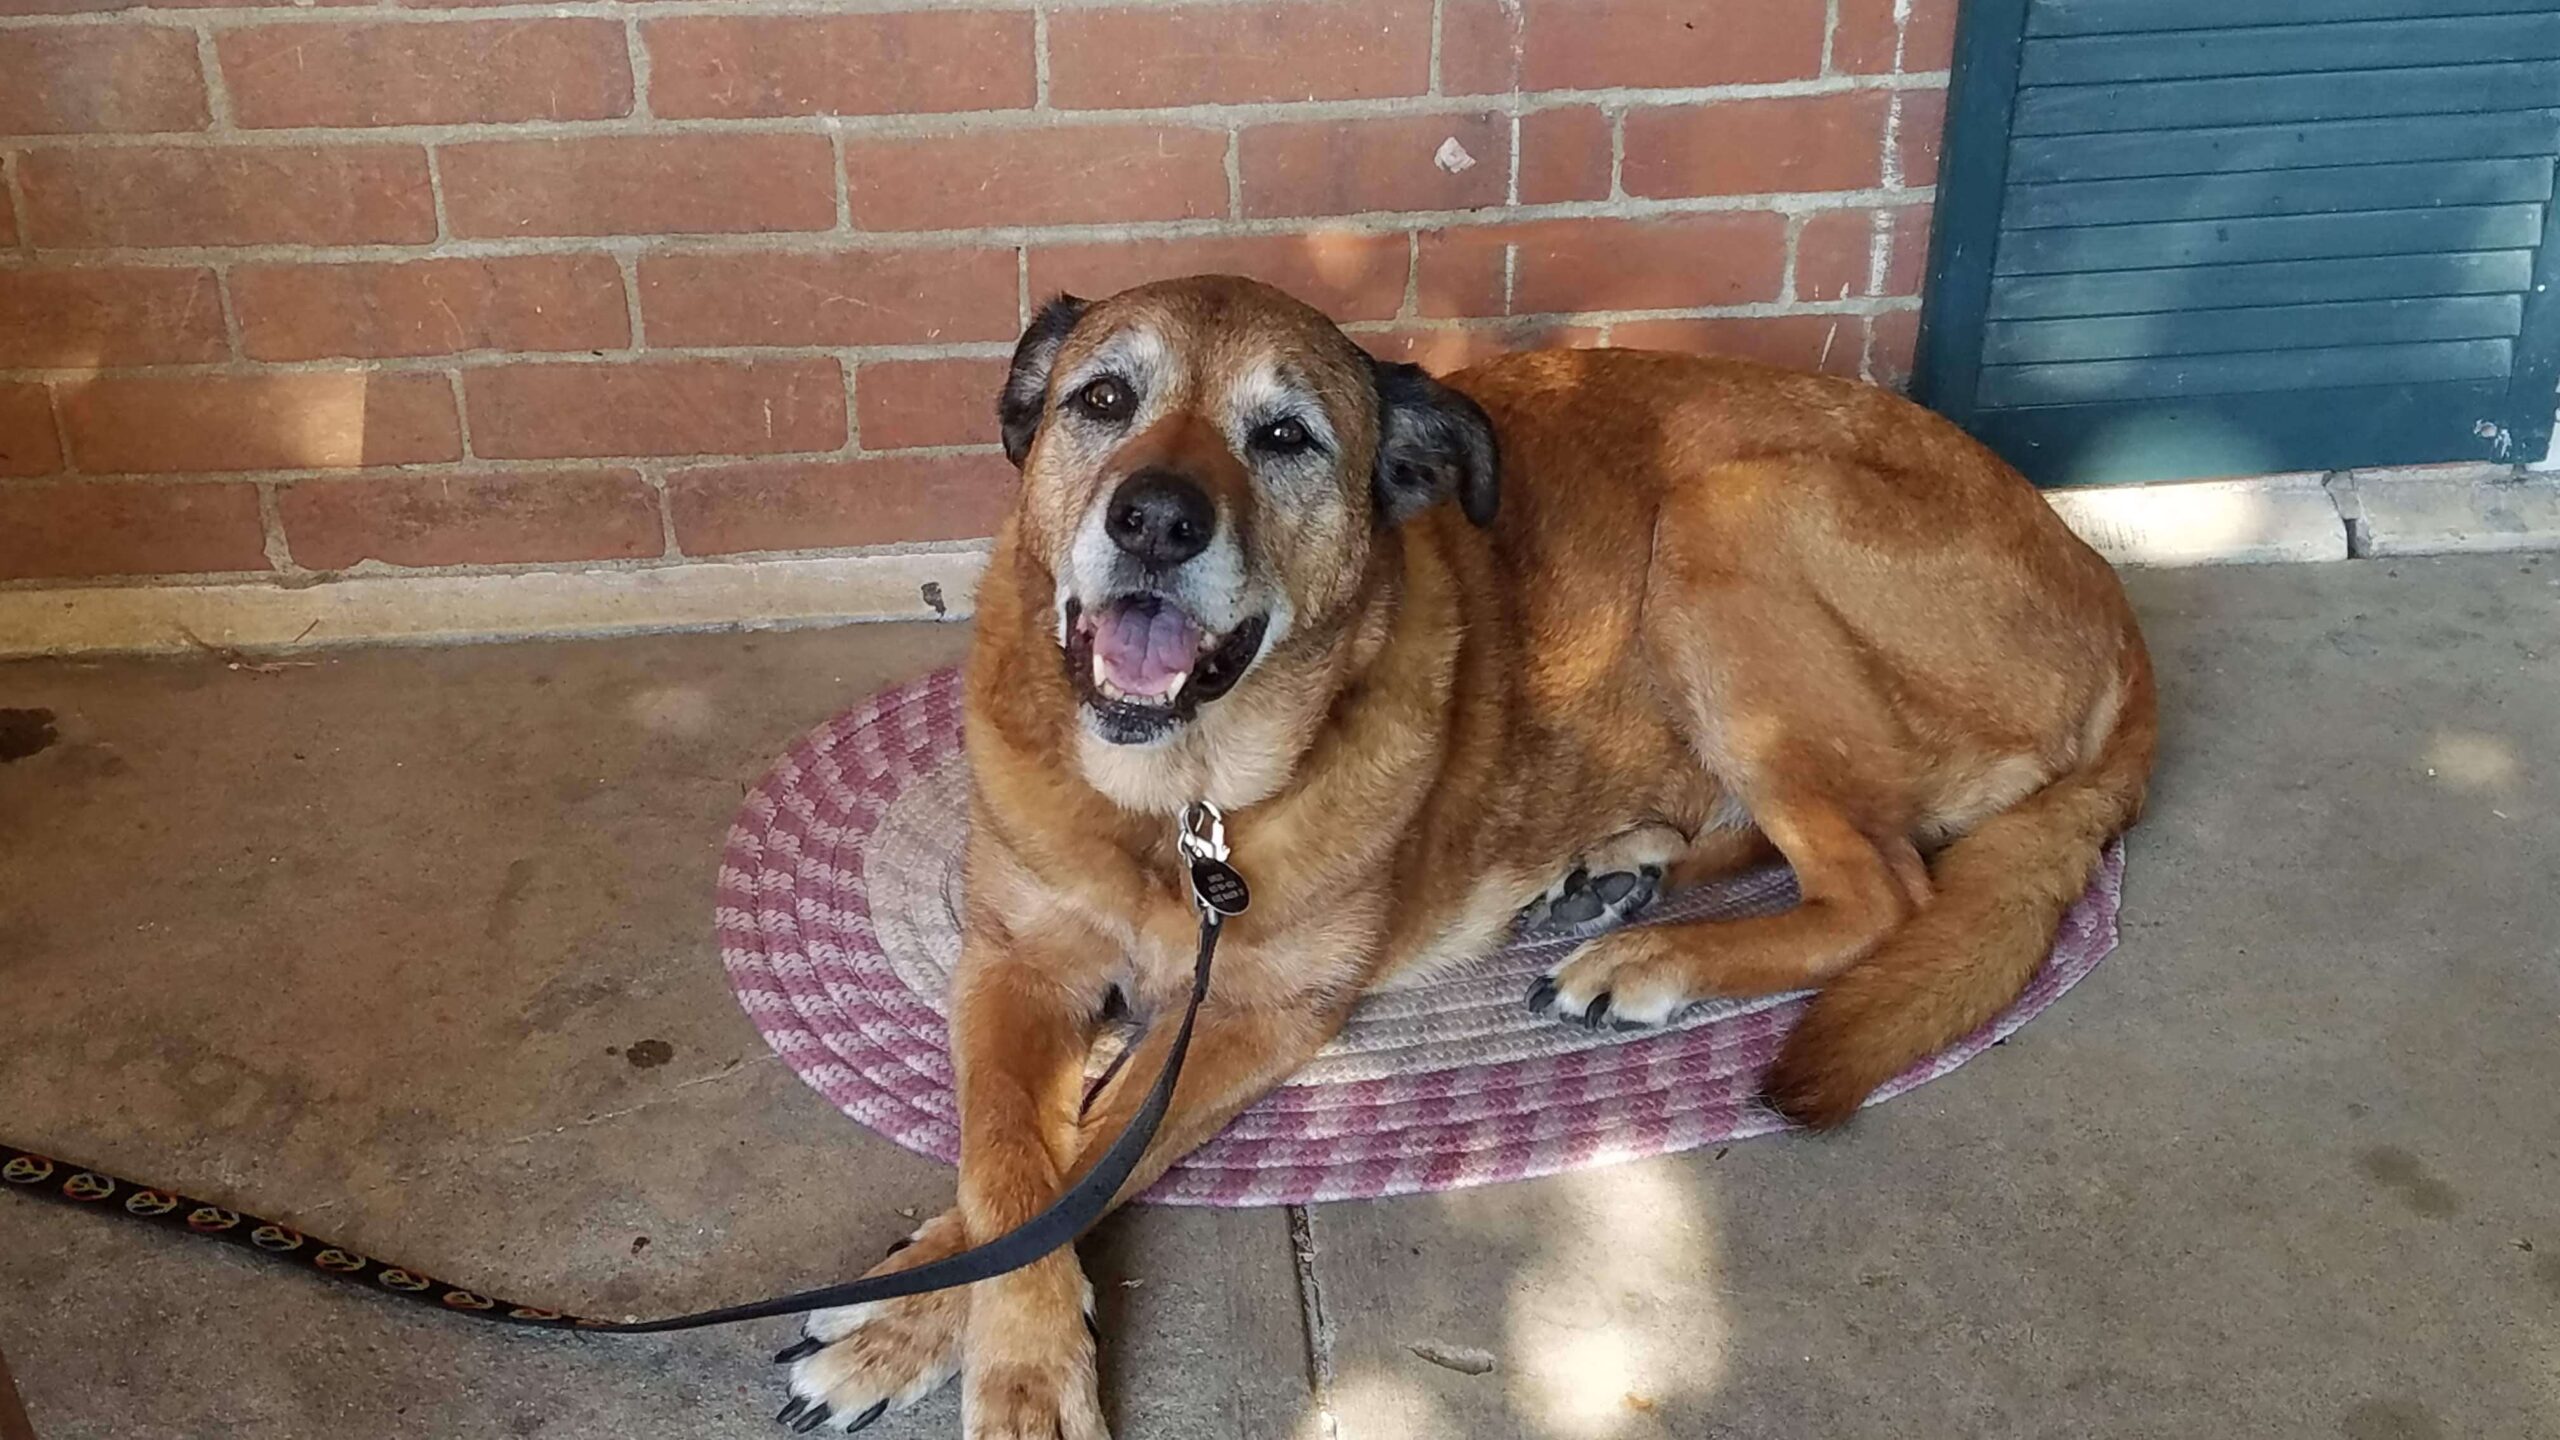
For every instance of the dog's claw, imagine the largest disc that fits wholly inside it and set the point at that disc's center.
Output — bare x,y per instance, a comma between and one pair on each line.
806,1345
1542,993
863,1420
897,1245
1598,1012
1093,1327
816,1417
791,1410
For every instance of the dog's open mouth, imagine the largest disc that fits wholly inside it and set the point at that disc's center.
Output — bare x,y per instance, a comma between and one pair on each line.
1142,664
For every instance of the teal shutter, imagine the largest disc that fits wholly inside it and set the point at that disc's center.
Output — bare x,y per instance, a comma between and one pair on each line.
2216,237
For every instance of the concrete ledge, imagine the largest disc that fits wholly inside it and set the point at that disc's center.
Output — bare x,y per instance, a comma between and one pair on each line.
523,605
2449,510
2205,522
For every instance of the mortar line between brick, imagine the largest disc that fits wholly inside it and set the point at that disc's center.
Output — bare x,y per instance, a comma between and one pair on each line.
1879,250
376,570
1021,288
230,312
1376,222
1891,168
1066,234
11,201
1411,305
638,56
483,464
843,178
1039,57
1235,174
473,360
1201,116
1511,180
271,523
1439,10
1787,263
1315,1322
1830,37
461,412
626,264
852,407
61,433
435,197
217,94
653,473
251,14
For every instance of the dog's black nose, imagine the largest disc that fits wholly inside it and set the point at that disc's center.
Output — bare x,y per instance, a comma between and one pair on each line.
1161,518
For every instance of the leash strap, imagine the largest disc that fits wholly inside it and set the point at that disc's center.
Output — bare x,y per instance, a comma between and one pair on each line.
25,1172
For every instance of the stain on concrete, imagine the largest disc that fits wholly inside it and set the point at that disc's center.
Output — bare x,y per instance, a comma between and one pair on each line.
2405,1176
933,600
2391,1419
89,760
503,910
562,998
2546,1269
649,1054
24,733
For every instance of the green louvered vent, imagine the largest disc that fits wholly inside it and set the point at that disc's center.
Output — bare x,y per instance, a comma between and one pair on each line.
2182,237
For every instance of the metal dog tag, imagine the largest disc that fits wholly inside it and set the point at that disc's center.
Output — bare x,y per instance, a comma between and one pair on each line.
1217,886
1200,832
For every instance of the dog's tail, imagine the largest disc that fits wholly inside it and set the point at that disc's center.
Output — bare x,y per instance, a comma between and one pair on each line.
2000,894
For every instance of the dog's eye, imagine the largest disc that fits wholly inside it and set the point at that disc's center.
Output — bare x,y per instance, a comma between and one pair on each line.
1104,399
1284,437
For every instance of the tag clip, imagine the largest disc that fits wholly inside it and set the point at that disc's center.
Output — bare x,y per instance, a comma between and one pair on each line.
1200,832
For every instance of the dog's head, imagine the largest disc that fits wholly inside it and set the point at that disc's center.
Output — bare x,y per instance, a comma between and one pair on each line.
1207,467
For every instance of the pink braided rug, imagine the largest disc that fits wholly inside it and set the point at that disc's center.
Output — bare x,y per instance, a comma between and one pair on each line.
838,922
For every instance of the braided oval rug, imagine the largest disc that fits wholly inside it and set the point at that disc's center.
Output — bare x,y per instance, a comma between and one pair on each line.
838,920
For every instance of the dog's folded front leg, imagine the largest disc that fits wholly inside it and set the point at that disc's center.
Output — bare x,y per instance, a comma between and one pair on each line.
1022,1020
1019,1040
1030,1368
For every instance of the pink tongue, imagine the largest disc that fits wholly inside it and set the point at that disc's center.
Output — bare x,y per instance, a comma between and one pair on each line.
1142,650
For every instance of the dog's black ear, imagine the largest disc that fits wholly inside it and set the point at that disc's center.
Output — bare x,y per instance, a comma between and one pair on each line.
1026,386
1432,443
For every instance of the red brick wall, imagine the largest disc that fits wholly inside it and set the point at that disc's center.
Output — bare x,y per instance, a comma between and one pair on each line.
294,289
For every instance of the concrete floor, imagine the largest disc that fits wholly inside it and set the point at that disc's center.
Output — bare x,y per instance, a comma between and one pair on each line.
377,941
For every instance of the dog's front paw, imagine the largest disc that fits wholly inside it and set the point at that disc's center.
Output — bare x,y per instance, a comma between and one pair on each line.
1033,1367
853,1365
1622,981
1053,1399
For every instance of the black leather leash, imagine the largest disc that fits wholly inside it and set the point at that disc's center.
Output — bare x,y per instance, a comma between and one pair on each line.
1217,891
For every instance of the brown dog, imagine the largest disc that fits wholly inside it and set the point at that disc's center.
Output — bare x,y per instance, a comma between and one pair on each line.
1696,612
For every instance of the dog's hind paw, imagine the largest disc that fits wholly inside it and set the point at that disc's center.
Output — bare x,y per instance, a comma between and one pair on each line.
1583,904
1617,881
855,1364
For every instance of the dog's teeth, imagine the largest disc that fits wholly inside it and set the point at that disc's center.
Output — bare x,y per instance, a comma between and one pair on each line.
1178,682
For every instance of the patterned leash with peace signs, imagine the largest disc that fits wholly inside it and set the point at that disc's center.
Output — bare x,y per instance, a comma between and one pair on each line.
43,1177
1217,892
